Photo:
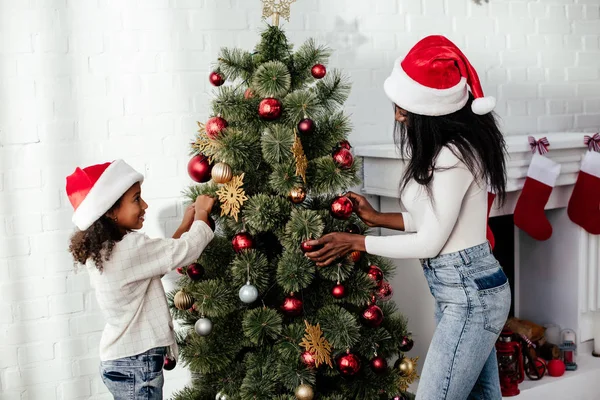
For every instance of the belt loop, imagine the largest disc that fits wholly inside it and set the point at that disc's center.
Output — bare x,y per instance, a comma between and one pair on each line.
465,256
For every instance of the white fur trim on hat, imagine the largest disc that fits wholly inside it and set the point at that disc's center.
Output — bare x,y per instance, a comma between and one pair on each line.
419,99
112,184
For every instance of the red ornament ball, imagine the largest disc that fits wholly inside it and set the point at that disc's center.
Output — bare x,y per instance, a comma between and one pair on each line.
308,359
372,316
341,207
195,271
216,79
292,306
338,291
306,126
169,363
269,109
348,364
248,94
376,274
318,71
407,344
353,228
199,168
308,248
242,241
344,144
355,256
214,126
379,364
556,368
180,270
343,158
385,291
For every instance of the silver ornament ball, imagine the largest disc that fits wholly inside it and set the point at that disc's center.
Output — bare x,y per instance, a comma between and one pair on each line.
224,397
203,326
248,293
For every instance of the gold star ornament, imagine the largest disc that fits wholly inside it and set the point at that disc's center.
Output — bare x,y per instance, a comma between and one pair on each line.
300,157
232,196
277,8
314,342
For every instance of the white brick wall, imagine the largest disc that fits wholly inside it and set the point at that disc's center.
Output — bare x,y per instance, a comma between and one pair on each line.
84,81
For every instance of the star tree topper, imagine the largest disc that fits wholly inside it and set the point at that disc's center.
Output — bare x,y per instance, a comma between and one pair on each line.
232,196
276,8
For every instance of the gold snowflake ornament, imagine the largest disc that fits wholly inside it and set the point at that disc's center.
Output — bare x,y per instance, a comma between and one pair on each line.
277,8
204,145
300,157
314,342
232,196
404,381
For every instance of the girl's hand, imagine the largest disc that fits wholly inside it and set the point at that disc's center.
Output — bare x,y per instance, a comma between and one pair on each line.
188,217
204,204
363,209
335,245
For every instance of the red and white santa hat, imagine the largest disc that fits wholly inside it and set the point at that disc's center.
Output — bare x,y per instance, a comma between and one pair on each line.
434,78
95,189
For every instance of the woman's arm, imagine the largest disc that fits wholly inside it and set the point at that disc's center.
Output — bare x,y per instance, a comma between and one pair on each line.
397,221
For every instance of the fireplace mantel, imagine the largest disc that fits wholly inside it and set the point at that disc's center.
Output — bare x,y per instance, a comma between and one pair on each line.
383,167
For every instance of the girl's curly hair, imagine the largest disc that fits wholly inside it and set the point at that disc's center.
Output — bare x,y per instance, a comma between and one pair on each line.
97,241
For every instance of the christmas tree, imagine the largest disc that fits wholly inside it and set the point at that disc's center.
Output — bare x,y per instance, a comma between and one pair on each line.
259,320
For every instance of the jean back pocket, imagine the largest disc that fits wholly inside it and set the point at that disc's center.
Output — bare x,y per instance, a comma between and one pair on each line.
494,295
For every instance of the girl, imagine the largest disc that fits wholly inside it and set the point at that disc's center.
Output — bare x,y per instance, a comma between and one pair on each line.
455,150
125,269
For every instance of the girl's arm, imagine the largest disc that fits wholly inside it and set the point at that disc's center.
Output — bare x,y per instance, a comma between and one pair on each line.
401,221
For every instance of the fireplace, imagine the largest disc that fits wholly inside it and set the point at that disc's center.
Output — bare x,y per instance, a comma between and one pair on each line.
555,281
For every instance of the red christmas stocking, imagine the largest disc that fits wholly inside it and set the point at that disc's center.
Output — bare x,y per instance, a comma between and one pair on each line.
489,234
529,212
584,205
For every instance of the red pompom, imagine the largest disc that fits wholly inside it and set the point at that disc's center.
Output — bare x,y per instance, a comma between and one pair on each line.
199,168
242,241
318,71
341,207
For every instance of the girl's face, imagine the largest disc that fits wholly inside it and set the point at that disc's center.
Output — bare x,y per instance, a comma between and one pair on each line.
129,215
401,115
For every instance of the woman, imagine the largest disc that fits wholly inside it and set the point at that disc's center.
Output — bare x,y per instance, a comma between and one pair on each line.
455,151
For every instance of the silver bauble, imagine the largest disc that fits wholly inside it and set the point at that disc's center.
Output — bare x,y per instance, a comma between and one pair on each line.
224,397
203,326
248,293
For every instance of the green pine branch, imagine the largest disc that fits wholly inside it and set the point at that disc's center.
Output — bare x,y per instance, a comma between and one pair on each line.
236,63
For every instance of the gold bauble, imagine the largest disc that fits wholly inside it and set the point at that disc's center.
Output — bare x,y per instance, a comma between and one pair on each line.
183,301
221,173
297,195
406,367
304,392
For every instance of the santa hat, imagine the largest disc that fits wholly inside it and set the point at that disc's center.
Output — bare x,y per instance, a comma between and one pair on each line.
433,79
95,189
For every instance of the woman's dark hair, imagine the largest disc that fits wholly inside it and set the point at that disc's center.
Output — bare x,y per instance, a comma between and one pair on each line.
477,139
97,241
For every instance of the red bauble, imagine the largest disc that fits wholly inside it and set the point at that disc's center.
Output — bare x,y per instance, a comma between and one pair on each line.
216,79
372,316
195,271
407,344
355,256
345,145
379,364
318,71
169,363
556,368
343,158
385,291
348,364
292,306
353,228
248,94
309,249
242,241
199,168
338,291
269,109
376,274
180,270
306,126
214,127
308,359
341,207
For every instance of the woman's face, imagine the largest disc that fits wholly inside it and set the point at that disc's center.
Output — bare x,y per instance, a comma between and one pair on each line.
401,115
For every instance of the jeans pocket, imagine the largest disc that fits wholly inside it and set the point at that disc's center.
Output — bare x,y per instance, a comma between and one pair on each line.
447,275
120,383
494,295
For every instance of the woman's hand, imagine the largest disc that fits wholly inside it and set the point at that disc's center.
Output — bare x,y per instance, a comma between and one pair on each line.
188,218
335,245
363,209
